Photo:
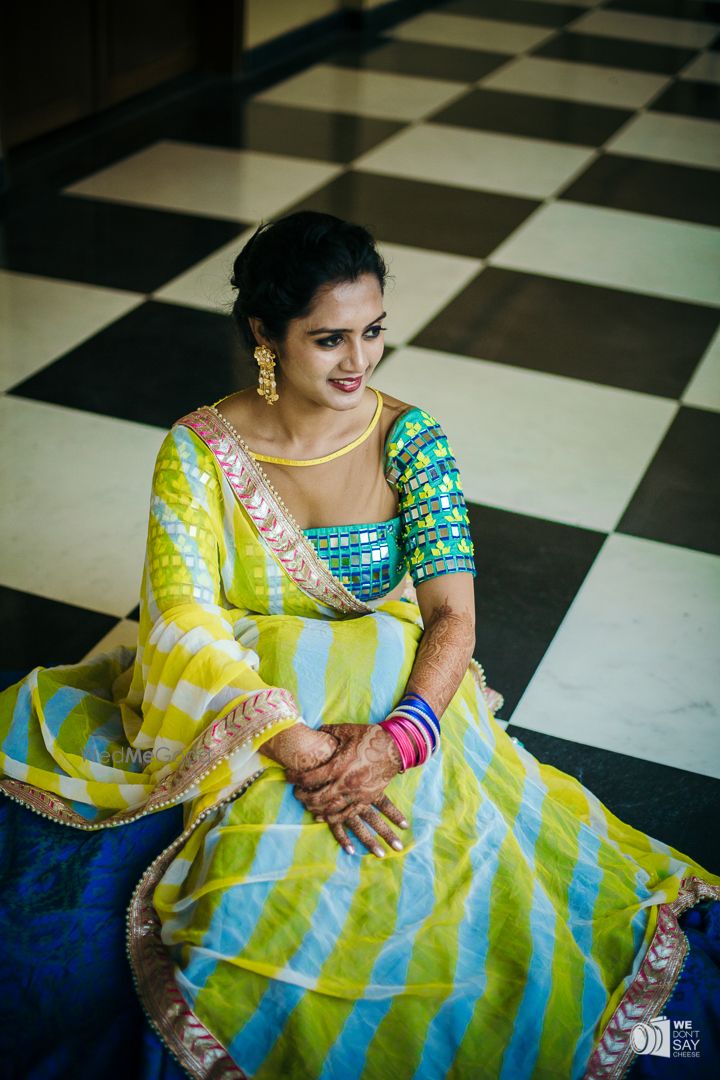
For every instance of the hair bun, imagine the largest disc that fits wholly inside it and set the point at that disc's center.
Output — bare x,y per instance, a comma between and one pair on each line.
283,264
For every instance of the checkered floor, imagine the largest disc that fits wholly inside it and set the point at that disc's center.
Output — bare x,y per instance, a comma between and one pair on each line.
543,179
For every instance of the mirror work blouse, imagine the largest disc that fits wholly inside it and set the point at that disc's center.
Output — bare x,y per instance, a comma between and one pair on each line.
431,533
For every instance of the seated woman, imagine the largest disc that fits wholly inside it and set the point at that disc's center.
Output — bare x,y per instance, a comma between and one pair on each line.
370,878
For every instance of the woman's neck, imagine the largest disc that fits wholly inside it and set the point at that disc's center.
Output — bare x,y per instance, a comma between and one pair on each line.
304,429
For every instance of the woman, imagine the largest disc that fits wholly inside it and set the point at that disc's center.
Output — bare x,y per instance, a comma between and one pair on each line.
293,692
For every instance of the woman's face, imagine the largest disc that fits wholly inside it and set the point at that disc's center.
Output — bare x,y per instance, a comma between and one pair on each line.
329,355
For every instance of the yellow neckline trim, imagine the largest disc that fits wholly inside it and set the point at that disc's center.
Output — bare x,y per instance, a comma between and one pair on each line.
336,453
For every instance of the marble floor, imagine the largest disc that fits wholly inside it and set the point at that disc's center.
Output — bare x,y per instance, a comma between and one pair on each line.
543,179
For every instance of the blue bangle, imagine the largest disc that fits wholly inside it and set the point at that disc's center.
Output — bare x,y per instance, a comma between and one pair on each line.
420,711
417,717
421,703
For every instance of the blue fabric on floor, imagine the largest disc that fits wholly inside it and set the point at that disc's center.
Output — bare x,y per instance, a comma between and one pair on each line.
696,997
70,1009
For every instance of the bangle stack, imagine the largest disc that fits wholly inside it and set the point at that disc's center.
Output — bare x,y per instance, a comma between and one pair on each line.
415,729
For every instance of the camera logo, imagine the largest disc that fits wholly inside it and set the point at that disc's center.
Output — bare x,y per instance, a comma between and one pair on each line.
666,1038
652,1038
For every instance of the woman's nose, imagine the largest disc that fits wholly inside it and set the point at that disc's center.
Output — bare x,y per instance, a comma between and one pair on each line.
356,359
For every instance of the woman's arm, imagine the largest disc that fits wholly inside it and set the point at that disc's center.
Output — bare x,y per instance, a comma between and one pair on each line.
447,606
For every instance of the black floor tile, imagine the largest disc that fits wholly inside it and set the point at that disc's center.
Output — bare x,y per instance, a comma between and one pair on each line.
152,366
616,52
533,116
649,187
687,98
278,129
107,243
422,215
421,59
528,573
45,632
668,804
607,336
522,11
678,499
697,10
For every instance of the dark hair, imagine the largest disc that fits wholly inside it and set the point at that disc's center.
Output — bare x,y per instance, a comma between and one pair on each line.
285,262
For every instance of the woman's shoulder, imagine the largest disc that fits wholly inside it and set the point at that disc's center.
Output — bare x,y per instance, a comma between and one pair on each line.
403,418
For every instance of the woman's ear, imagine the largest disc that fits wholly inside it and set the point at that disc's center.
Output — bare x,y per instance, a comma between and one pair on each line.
258,331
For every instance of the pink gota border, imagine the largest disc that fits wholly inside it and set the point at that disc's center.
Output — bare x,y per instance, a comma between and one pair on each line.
646,996
295,554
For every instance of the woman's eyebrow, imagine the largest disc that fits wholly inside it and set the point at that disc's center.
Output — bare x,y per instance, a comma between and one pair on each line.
343,329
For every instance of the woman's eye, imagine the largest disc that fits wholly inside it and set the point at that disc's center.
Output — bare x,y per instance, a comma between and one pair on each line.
334,339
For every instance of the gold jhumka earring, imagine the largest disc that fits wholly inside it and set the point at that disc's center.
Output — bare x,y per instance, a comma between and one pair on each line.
266,385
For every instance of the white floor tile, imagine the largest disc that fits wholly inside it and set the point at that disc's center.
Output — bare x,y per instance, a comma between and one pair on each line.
42,318
123,633
483,161
653,29
465,32
704,68
207,284
424,282
684,140
79,486
571,81
556,448
243,185
638,252
363,93
703,390
633,667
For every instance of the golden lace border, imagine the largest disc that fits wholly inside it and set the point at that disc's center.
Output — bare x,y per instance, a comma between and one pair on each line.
213,745
151,966
649,991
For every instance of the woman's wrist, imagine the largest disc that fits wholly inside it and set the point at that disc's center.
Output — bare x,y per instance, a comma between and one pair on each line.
299,747
392,749
414,728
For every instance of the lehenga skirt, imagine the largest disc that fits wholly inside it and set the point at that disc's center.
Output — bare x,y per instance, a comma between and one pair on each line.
522,931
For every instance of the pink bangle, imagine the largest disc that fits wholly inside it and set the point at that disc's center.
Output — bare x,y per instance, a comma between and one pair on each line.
410,729
413,750
402,741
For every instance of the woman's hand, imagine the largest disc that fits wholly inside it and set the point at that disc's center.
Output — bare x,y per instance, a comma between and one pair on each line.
301,750
300,747
355,819
364,763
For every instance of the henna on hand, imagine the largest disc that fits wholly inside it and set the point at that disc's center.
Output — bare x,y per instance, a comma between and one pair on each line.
355,819
442,656
300,747
366,760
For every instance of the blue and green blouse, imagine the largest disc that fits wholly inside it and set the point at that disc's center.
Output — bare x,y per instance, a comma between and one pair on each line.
431,533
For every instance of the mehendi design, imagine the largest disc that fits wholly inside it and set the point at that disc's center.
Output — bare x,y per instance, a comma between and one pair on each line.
365,762
443,655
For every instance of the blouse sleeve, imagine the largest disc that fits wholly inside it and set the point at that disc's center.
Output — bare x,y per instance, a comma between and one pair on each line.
435,523
193,670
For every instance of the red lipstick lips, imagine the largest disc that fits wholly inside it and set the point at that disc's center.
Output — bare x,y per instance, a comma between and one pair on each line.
348,386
